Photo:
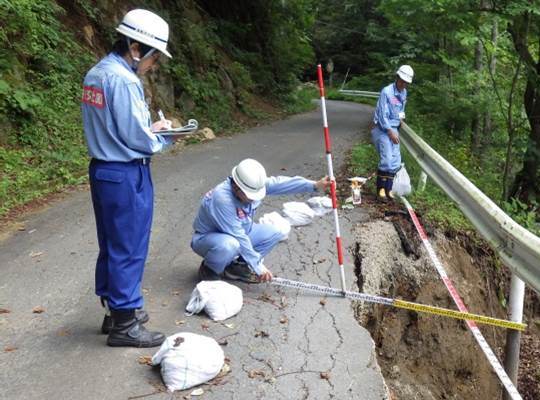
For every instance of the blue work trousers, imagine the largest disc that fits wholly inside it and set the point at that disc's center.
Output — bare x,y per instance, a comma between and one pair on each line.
220,249
389,153
123,199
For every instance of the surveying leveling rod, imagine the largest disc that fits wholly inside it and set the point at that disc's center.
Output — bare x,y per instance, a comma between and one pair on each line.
332,178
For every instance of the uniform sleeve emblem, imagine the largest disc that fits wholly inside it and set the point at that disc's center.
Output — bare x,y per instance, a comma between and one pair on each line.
240,213
93,96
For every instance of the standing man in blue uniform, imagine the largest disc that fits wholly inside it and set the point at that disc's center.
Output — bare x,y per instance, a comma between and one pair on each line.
232,245
389,113
120,139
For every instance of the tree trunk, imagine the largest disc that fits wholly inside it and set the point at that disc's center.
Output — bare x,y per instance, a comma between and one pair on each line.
487,134
511,134
476,127
526,185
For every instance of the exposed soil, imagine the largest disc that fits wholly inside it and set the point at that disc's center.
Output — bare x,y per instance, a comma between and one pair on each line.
430,357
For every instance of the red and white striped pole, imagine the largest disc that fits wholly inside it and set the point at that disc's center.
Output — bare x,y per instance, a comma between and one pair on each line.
332,178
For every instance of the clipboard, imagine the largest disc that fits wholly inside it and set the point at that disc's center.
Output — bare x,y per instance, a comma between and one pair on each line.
188,129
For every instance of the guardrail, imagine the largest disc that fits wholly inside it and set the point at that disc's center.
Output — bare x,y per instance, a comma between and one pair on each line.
518,248
360,93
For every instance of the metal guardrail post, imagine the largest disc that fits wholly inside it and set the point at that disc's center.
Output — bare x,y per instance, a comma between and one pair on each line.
422,180
511,353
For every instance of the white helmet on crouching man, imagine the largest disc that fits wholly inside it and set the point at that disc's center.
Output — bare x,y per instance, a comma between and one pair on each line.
250,176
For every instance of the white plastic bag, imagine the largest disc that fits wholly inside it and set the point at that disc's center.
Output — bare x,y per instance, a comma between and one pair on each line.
298,213
275,219
219,299
188,360
402,182
320,205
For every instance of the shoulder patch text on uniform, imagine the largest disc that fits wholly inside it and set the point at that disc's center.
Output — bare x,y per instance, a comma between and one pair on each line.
93,96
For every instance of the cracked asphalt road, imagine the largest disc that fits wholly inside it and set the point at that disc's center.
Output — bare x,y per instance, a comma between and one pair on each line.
277,346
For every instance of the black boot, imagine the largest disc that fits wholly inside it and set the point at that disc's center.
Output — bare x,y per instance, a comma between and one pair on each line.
207,274
126,330
388,186
106,326
381,186
141,315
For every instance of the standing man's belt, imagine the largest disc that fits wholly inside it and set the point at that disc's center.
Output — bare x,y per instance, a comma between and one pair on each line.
141,161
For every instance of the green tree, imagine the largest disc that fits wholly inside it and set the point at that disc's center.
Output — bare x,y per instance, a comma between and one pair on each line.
269,37
524,27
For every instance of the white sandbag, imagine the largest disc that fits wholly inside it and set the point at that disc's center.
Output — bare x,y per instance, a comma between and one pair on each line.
219,299
298,213
320,201
275,219
188,359
402,182
320,205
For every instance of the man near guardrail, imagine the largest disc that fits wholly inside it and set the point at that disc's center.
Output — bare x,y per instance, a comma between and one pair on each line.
389,113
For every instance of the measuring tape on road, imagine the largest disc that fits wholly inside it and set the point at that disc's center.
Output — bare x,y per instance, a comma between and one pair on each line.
466,316
490,355
423,308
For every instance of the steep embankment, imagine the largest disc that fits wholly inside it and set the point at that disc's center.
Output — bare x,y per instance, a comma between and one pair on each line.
424,356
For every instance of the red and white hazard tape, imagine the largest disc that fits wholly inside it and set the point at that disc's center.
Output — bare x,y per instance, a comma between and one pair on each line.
492,358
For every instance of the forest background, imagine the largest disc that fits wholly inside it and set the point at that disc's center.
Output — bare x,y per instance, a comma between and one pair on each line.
475,98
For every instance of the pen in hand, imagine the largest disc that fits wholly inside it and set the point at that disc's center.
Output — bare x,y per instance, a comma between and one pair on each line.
161,115
167,124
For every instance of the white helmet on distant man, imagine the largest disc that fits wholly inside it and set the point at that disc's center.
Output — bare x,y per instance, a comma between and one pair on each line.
406,73
250,176
146,27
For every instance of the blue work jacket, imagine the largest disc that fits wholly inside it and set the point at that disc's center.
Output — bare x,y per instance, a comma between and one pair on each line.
221,211
390,107
116,119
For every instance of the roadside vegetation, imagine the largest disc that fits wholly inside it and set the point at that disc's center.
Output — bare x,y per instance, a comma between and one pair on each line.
227,73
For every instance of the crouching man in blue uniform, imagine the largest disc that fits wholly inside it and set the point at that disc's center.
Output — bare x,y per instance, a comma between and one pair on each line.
232,245
389,113
120,141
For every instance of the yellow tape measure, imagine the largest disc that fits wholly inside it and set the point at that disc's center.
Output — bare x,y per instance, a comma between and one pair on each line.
444,312
459,315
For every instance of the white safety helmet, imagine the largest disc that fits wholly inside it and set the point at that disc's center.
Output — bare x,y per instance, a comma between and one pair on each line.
146,27
406,73
250,176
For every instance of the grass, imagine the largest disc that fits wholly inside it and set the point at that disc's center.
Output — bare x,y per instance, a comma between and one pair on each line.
301,99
